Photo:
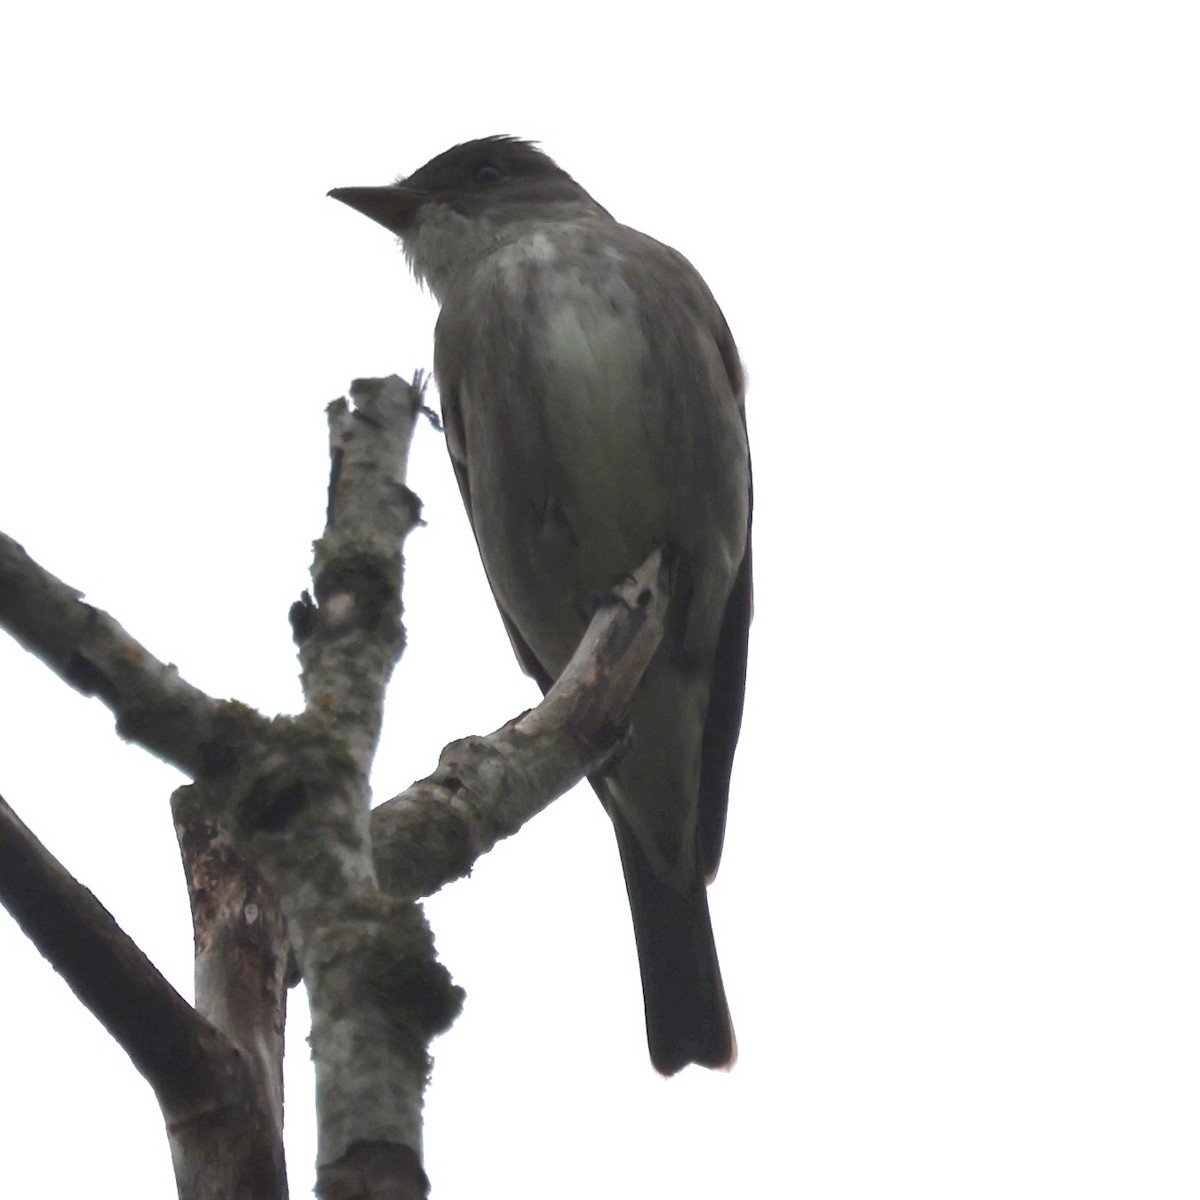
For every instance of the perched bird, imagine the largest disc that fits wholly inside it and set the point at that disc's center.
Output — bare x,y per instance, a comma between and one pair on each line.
592,398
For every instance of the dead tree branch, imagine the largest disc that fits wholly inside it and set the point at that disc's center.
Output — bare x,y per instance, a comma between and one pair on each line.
215,1111
280,815
486,788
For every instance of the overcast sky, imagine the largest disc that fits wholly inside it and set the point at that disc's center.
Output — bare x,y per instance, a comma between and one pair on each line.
959,909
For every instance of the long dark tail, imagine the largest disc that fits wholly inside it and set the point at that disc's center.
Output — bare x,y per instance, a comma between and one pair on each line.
687,1018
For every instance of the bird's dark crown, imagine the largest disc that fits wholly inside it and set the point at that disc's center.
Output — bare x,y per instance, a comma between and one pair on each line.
479,167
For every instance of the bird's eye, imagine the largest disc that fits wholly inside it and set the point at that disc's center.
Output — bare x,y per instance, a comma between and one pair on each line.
487,172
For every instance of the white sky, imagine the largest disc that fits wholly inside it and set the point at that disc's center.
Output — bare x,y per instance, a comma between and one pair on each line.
960,907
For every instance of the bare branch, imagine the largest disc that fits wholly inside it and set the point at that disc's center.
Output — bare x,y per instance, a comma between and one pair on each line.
89,650
486,788
241,945
101,963
351,638
290,798
376,990
203,1083
374,1169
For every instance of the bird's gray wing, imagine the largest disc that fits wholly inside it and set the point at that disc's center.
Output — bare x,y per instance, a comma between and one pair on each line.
455,438
727,693
724,719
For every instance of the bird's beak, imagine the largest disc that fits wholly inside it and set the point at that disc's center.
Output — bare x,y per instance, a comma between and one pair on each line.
393,206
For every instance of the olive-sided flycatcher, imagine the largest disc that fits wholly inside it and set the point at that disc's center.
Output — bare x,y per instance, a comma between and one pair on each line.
592,398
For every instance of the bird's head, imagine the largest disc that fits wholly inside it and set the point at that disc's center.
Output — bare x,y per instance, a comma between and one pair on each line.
460,203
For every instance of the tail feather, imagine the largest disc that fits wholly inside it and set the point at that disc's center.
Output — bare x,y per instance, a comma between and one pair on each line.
687,1017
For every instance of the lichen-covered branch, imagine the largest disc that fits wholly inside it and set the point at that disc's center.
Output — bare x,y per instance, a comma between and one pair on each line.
376,991
349,632
287,801
486,788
